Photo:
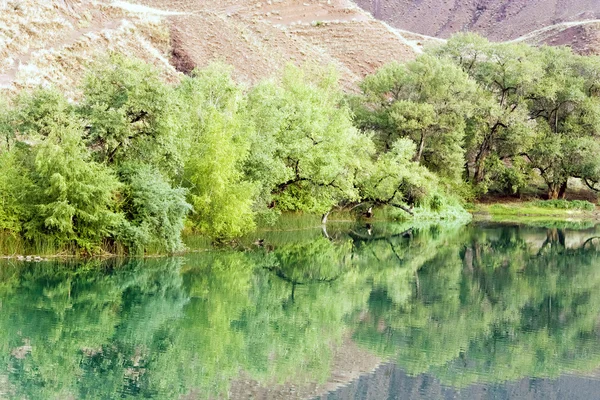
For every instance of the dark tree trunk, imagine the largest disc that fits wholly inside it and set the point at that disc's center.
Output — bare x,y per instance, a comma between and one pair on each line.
479,173
557,190
553,191
562,192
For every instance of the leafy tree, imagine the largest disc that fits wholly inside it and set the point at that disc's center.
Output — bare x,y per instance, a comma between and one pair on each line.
71,199
217,141
313,148
129,114
566,106
394,179
15,185
39,113
426,100
506,74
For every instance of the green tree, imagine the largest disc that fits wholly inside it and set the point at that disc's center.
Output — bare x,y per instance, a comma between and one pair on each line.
15,185
217,144
129,114
506,74
426,100
566,106
313,149
72,198
154,212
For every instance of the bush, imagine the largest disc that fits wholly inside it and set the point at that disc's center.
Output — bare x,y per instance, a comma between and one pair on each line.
154,211
14,185
71,199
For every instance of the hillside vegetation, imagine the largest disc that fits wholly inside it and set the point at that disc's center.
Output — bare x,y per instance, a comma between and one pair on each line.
136,159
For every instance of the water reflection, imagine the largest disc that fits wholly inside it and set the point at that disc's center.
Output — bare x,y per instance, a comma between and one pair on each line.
306,312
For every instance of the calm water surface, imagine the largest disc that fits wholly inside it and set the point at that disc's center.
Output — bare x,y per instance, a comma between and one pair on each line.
483,311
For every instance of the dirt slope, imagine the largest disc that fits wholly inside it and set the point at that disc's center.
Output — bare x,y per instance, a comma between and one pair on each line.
495,19
51,42
259,38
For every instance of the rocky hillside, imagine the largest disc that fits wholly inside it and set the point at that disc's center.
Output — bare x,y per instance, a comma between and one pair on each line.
572,22
50,42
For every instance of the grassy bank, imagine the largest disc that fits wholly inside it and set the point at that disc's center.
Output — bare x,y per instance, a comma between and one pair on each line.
536,211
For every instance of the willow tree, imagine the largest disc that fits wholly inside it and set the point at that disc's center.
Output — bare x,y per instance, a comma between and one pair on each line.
313,150
506,74
71,200
428,101
565,103
128,113
215,146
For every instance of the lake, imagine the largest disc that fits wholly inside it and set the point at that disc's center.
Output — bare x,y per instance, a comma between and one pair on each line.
482,311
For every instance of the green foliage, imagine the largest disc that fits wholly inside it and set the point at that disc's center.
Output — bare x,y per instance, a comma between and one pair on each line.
305,137
567,112
154,211
426,100
70,200
129,114
467,118
217,141
566,205
14,187
39,113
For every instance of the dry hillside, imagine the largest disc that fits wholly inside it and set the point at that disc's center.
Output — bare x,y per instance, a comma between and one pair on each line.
568,22
51,42
495,19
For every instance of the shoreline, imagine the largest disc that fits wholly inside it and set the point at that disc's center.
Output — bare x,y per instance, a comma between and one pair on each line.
522,212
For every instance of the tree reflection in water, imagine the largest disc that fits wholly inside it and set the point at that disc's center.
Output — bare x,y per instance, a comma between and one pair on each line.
466,304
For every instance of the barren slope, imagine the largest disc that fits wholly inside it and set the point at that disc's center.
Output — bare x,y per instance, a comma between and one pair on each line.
51,42
495,19
259,38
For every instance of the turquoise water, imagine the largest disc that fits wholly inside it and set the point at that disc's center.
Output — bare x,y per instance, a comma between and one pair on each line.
357,312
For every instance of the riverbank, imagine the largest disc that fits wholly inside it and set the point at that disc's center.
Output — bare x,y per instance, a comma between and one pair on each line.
536,213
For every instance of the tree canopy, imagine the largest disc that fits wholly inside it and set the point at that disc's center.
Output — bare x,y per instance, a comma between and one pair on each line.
134,160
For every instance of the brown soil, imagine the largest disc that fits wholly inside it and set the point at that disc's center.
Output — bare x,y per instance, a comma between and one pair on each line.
583,39
51,43
496,19
259,38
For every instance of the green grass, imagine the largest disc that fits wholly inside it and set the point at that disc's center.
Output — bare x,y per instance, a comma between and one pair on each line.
537,211
565,204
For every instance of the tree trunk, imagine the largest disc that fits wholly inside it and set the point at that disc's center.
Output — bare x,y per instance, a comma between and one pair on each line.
479,173
420,149
467,173
553,191
557,190
324,217
562,192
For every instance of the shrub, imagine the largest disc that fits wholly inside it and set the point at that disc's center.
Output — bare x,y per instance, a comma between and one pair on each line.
154,211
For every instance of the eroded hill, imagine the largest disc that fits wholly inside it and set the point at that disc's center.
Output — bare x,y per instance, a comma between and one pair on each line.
573,22
51,42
